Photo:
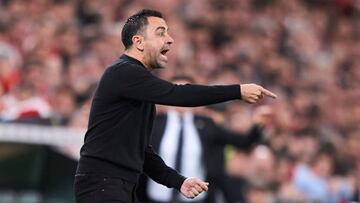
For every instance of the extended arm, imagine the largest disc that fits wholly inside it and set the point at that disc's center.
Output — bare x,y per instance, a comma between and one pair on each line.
134,82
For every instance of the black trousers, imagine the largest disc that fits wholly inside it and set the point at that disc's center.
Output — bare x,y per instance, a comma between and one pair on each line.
101,189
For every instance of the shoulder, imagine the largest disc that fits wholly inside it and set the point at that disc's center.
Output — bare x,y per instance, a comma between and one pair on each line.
123,65
123,69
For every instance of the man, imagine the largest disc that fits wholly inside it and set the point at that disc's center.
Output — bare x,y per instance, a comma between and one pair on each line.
194,144
116,149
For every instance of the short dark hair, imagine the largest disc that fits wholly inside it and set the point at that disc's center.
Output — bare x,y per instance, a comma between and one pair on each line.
135,23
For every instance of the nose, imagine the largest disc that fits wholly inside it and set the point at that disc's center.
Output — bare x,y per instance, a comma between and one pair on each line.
169,40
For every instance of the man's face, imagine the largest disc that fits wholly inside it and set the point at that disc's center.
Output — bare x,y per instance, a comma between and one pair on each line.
157,43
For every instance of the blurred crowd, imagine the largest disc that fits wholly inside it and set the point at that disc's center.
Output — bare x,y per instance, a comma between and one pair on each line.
52,53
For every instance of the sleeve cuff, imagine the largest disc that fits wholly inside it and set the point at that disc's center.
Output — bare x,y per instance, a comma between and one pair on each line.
234,91
178,181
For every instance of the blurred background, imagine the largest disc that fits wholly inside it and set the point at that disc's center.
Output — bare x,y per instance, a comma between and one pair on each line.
52,53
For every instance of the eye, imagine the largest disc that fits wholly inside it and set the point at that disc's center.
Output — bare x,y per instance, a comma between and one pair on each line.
160,33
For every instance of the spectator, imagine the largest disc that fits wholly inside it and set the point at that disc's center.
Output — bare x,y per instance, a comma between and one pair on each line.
24,106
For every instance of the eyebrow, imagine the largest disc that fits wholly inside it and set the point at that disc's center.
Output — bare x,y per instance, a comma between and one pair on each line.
160,28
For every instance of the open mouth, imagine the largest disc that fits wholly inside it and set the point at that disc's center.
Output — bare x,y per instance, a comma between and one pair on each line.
163,52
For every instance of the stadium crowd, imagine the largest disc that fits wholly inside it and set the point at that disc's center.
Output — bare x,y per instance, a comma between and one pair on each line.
52,54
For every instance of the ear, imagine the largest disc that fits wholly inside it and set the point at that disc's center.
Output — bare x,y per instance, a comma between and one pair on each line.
138,42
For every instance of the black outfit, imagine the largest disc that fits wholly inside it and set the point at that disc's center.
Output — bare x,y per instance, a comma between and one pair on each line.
121,118
213,138
91,188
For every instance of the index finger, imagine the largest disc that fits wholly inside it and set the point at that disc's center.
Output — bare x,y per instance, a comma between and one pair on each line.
268,93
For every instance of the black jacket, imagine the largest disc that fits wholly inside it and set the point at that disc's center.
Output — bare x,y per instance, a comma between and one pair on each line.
121,119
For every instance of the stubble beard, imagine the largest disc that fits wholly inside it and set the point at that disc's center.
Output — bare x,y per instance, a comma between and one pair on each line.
155,64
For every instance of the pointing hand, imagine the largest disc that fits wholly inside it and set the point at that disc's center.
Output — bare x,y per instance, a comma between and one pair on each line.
252,93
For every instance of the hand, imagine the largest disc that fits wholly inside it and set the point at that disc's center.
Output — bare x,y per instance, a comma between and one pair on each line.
192,187
262,115
252,93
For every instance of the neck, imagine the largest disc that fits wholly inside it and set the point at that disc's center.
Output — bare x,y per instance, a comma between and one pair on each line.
136,56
